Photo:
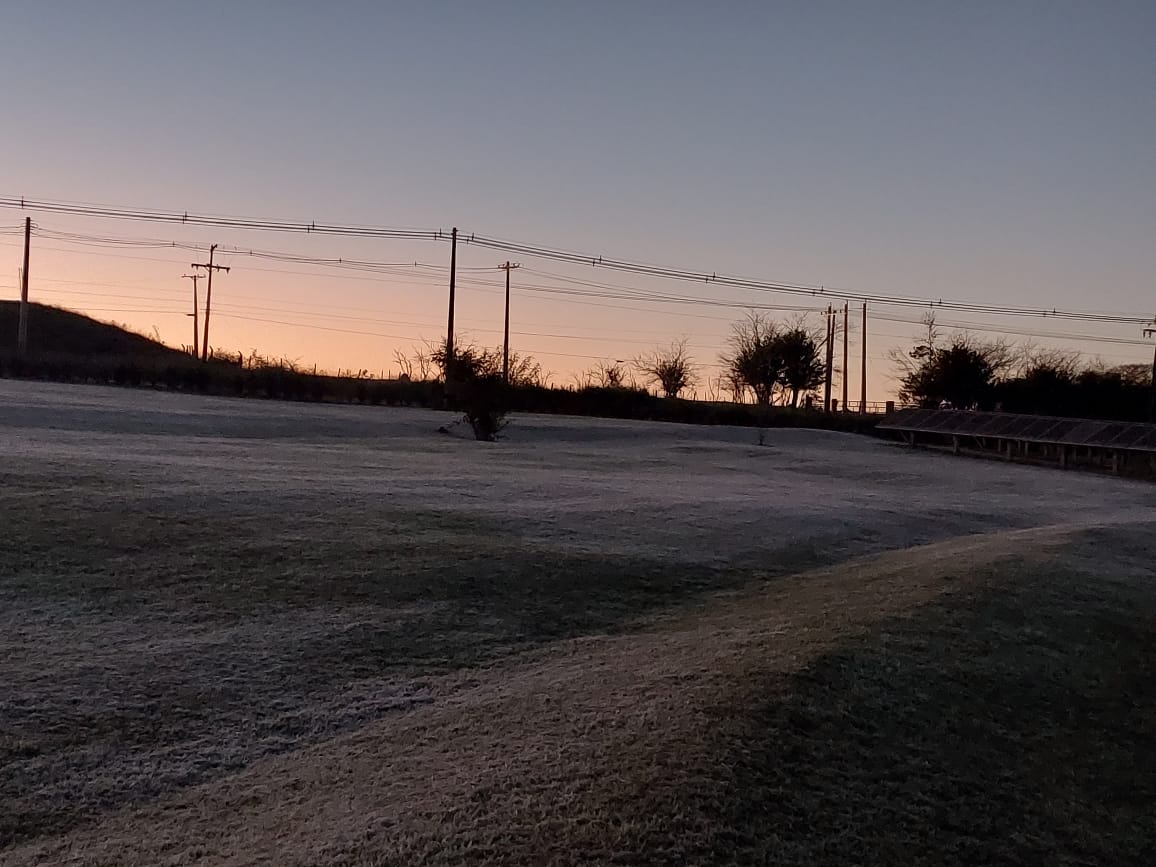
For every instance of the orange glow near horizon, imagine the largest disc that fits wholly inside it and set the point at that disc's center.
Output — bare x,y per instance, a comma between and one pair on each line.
343,320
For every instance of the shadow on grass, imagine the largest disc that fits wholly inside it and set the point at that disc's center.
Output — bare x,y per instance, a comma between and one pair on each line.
187,646
1016,726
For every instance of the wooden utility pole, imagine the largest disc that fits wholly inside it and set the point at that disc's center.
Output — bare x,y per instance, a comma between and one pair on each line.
508,267
863,366
846,328
194,314
1148,332
830,358
450,323
210,268
22,327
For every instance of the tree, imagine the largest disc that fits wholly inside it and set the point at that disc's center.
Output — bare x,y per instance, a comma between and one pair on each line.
405,365
1045,382
732,382
670,368
419,366
1133,374
802,367
605,374
754,356
1121,392
1031,359
961,375
768,359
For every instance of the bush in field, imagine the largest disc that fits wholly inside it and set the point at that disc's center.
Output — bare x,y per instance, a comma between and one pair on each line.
670,368
474,386
484,402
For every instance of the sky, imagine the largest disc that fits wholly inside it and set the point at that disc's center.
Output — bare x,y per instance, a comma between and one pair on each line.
997,152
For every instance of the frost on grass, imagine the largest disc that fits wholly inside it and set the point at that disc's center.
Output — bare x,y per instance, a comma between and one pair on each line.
221,603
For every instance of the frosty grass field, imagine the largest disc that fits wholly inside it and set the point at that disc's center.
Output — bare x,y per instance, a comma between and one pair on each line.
268,633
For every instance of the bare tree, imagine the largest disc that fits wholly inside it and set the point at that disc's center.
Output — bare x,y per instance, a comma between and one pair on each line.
670,368
714,386
1033,360
419,365
525,370
1133,374
731,382
404,365
607,374
908,361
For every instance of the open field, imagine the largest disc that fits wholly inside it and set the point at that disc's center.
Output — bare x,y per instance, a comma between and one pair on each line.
235,632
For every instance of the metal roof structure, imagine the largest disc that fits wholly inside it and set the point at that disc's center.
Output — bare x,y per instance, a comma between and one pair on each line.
1051,430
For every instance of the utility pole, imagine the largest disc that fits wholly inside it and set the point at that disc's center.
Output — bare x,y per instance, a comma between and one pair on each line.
196,324
450,323
830,358
22,327
863,366
210,268
846,328
1148,332
508,267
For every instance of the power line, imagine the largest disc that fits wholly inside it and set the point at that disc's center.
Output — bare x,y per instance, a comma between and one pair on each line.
555,254
798,289
483,285
575,290
995,329
185,218
970,326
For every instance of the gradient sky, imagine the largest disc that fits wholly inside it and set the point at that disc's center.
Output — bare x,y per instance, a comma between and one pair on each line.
989,151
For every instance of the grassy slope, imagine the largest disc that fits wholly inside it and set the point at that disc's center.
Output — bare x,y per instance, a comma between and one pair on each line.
54,330
977,701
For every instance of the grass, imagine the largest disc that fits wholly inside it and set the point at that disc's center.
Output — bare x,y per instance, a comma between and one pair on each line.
246,666
1012,724
187,645
984,702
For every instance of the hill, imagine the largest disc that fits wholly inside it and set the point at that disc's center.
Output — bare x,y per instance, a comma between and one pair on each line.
56,331
70,347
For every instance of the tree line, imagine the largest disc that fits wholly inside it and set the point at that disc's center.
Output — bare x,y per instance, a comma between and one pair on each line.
765,362
961,371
